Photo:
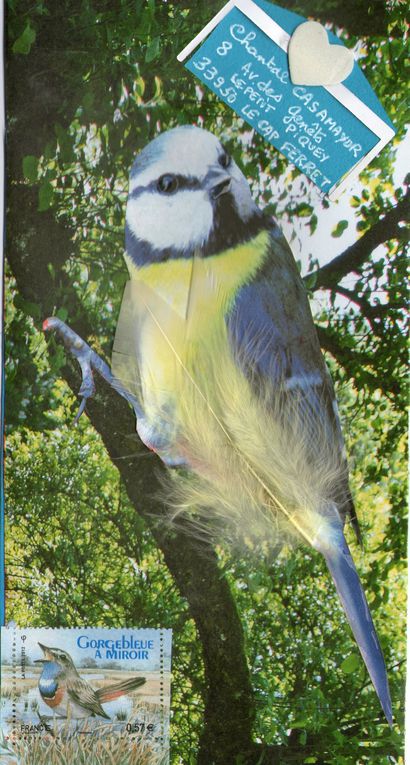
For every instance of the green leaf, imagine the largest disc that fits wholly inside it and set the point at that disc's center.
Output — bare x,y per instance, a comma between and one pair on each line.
62,314
153,50
30,167
50,149
27,307
313,224
341,226
45,196
301,723
350,663
119,278
303,210
65,142
310,280
139,85
88,100
25,41
95,272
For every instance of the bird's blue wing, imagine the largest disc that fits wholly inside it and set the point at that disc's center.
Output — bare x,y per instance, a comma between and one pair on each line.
271,326
275,342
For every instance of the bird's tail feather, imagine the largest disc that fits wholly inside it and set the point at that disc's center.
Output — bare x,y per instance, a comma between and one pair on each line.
343,571
114,691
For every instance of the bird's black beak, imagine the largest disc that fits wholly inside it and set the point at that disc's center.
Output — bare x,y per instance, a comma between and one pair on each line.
217,183
47,654
221,188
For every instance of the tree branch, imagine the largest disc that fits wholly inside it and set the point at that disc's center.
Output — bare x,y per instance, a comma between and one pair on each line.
352,361
373,313
356,255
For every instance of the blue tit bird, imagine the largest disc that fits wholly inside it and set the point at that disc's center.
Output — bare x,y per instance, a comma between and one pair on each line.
217,343
216,349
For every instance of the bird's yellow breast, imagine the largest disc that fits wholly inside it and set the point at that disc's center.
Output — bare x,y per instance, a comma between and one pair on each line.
201,289
180,308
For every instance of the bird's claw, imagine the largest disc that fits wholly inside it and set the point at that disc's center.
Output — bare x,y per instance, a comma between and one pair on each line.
86,357
87,387
81,408
89,362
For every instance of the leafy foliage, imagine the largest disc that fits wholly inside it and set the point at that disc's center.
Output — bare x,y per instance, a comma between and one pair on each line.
100,81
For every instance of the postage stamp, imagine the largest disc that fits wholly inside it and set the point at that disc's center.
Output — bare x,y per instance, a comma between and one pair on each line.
87,695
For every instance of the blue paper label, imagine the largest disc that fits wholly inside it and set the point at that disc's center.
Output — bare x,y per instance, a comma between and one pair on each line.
250,73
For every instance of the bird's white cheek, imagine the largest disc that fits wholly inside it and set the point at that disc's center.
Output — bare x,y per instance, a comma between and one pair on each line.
182,220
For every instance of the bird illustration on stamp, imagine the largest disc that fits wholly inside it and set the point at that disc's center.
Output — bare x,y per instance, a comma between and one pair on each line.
66,693
217,352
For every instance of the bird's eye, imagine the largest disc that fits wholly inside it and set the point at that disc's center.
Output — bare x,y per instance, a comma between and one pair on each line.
224,160
167,184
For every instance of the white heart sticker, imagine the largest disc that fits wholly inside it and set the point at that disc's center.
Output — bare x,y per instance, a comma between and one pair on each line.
313,61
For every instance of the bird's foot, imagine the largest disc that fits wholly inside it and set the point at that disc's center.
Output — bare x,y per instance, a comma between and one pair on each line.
89,362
